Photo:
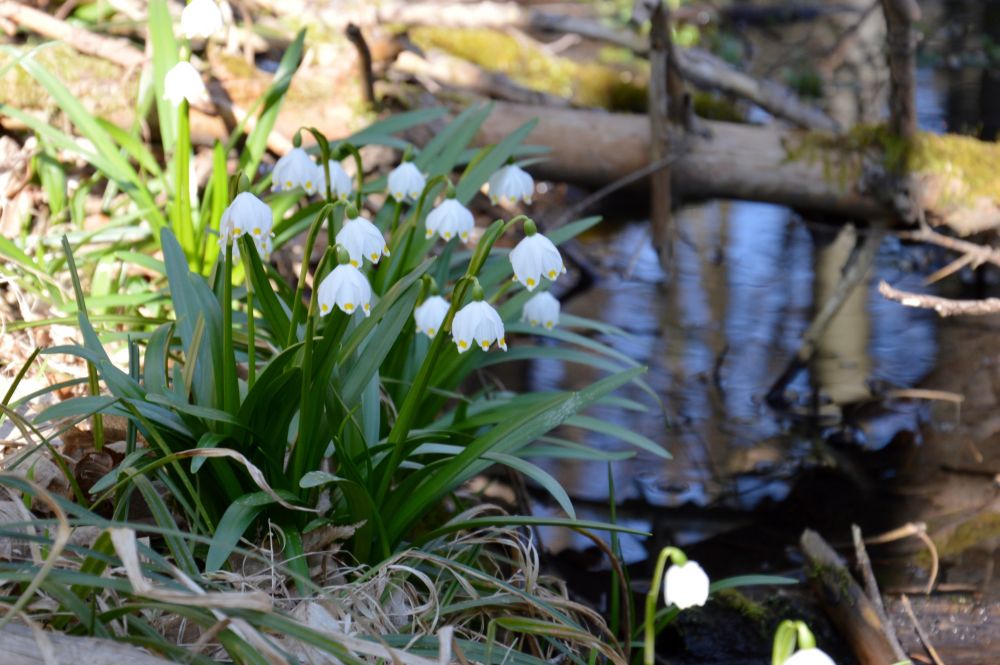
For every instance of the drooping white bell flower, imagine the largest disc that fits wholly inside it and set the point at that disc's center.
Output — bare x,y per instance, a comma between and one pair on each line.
246,215
406,182
511,184
429,315
477,323
201,19
534,257
685,585
811,656
541,309
341,184
362,240
295,169
450,219
345,287
184,82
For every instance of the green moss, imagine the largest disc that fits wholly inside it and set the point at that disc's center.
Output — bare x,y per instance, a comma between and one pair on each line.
587,84
965,168
981,528
735,600
102,84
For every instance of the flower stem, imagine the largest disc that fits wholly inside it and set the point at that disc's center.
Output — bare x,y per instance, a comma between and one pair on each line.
649,645
300,288
182,196
251,326
228,359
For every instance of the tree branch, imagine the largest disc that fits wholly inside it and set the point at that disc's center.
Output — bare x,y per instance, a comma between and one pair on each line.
943,306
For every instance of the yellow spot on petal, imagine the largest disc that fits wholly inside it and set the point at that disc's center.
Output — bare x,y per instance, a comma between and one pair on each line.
530,282
354,263
429,234
367,307
552,274
502,343
465,236
398,196
325,308
385,250
430,332
309,184
462,344
446,235
374,256
288,184
550,324
534,322
486,346
256,231
348,307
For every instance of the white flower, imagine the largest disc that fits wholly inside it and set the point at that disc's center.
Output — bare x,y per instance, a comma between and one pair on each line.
406,181
809,657
478,322
246,214
430,315
362,240
534,257
542,308
201,18
510,185
295,169
450,219
345,287
340,183
685,586
184,82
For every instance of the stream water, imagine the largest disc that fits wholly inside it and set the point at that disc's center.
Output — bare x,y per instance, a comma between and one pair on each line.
746,478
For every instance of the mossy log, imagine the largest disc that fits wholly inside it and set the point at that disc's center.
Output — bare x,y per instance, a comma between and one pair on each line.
957,178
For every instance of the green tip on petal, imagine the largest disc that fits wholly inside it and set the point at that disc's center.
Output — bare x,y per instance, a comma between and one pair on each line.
343,257
806,638
297,139
530,228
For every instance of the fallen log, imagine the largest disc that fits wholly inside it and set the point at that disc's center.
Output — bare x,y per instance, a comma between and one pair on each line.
956,176
845,603
962,628
20,646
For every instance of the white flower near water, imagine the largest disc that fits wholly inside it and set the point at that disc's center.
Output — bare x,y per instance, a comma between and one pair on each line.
341,184
510,185
450,219
477,323
295,169
406,182
345,287
429,315
685,585
201,19
541,309
362,240
246,215
811,656
184,82
534,257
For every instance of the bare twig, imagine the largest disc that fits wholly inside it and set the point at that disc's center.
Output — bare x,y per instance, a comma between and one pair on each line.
943,306
355,36
979,254
919,530
871,588
924,639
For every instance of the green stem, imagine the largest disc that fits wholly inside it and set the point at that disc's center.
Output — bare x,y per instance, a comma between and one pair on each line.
649,645
359,164
300,288
251,337
98,423
182,158
395,217
228,359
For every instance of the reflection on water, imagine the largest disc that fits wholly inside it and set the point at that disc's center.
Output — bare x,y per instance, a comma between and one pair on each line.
747,280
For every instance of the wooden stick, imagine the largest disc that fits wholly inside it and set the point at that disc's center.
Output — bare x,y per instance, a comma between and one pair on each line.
357,38
845,603
663,84
924,639
943,306
118,51
871,588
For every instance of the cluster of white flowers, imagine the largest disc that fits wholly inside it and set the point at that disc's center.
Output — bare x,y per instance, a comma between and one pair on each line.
297,169
347,288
